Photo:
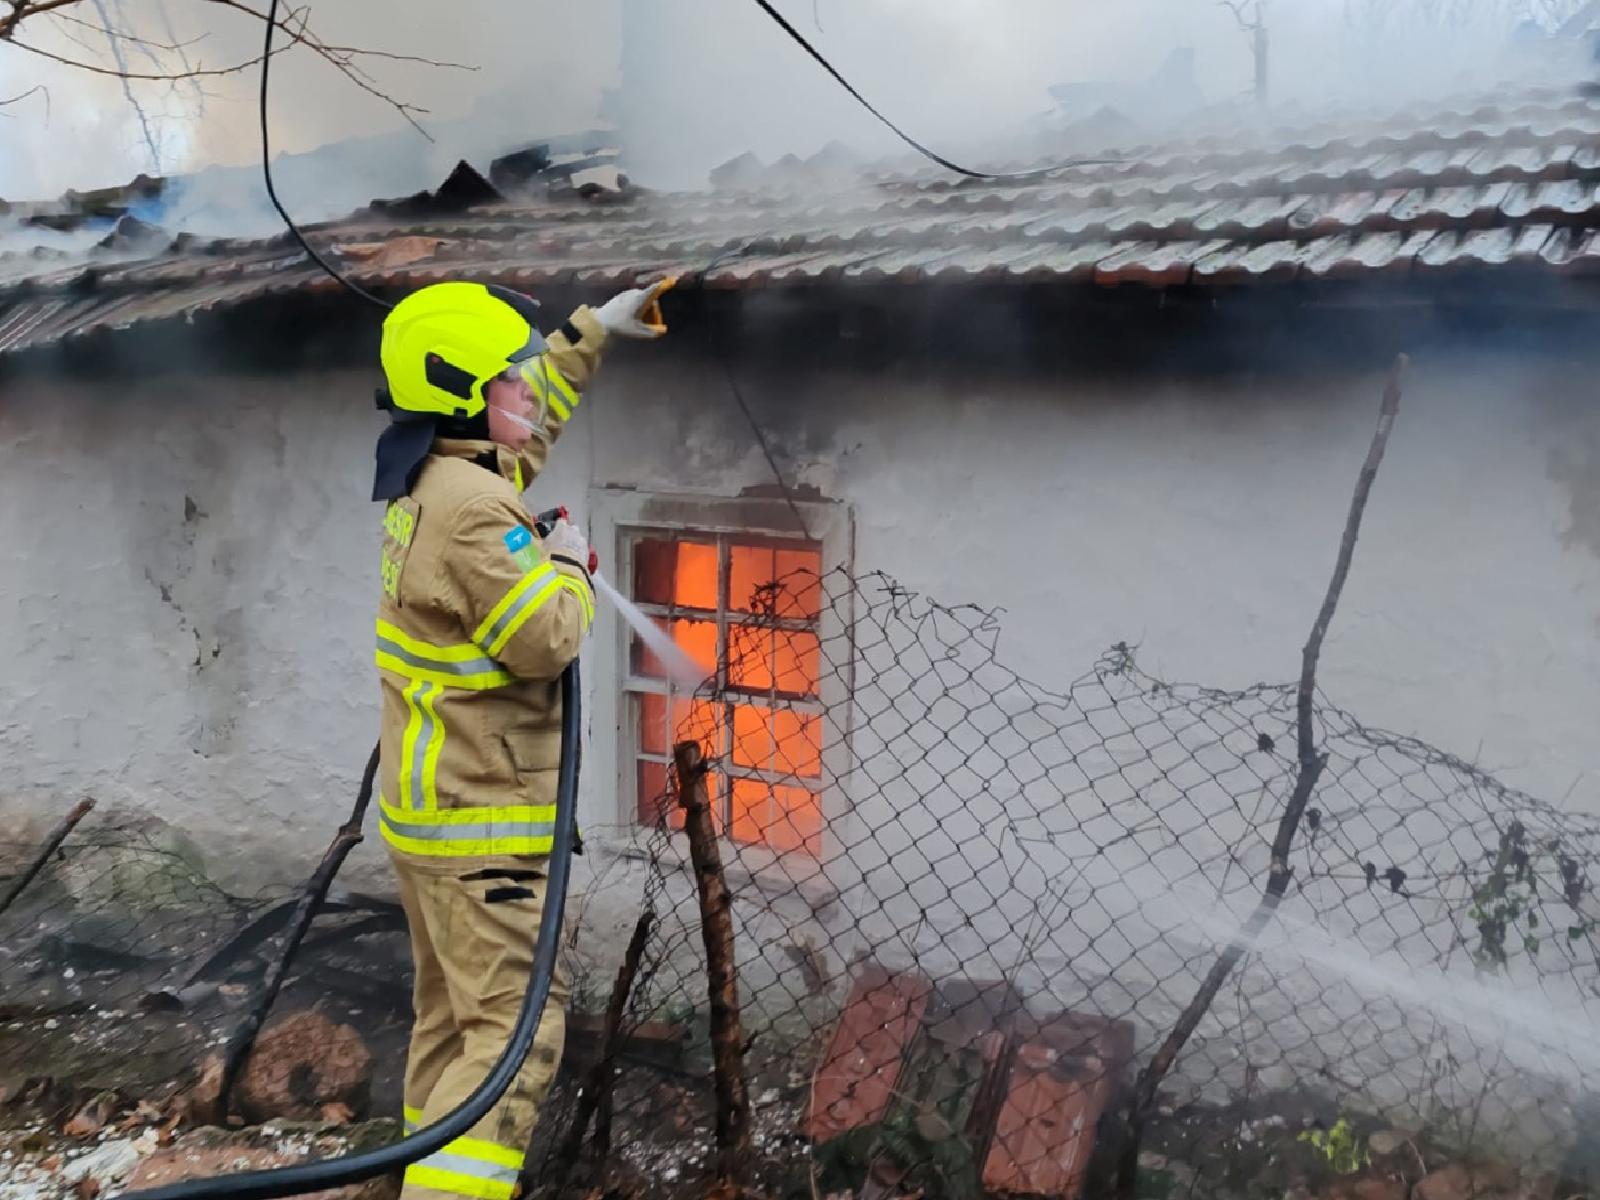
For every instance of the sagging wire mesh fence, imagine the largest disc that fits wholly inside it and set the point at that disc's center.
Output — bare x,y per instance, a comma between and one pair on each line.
967,909
126,967
956,932
106,933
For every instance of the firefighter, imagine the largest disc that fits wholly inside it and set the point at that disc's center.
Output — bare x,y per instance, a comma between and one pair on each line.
476,621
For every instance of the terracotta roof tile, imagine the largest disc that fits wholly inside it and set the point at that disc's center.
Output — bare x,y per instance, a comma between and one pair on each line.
1466,186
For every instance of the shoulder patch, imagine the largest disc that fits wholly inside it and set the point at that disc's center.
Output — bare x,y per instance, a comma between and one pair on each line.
520,544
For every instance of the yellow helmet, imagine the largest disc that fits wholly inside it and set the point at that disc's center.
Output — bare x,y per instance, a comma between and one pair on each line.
444,342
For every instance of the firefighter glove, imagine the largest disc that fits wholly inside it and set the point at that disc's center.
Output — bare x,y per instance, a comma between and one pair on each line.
635,313
565,543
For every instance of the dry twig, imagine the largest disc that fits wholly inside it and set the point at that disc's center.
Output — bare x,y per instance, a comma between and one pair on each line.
52,842
594,1101
1236,7
36,89
294,24
316,889
1310,763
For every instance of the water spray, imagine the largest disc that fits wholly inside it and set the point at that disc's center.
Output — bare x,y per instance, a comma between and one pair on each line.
681,670
1527,1022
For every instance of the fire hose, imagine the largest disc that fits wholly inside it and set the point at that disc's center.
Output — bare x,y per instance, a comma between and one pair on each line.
353,1168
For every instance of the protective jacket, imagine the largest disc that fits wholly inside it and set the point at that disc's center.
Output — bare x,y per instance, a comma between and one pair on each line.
475,625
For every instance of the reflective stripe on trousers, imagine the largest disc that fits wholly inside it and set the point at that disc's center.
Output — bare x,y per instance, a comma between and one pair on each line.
469,1167
465,832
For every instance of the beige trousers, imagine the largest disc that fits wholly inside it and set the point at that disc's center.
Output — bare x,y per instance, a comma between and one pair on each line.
473,924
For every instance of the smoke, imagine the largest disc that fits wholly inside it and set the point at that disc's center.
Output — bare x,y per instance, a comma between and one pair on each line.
709,79
696,82
538,69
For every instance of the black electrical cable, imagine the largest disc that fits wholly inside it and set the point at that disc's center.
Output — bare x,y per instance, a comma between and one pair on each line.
901,133
353,1168
715,349
266,170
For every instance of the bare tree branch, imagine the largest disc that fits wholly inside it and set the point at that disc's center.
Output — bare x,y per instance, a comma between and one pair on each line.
1236,7
347,60
326,48
174,47
196,89
1256,26
36,89
95,69
22,9
1310,761
121,60
80,40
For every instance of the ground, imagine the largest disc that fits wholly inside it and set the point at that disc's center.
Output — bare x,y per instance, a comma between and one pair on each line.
97,1094
39,1162
53,1137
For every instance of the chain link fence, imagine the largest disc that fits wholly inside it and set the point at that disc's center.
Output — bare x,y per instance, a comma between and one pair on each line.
126,967
967,910
97,948
949,981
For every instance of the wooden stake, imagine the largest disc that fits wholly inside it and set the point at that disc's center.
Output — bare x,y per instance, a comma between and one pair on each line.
716,925
346,840
52,843
596,1095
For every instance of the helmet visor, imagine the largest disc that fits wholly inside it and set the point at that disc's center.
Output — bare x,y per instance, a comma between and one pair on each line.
534,374
534,347
527,308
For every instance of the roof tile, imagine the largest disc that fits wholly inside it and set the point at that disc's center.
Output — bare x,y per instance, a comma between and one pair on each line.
1567,196
1157,264
1361,254
1581,251
1469,185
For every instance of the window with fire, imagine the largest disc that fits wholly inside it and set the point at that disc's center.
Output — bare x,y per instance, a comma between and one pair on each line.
765,730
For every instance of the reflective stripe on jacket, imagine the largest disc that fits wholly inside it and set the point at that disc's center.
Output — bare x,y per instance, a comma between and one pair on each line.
474,628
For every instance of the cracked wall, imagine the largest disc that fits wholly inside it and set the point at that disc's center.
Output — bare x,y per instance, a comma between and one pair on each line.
186,575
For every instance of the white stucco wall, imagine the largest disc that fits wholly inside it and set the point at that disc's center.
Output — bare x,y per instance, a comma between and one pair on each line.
183,589
1200,520
186,578
186,581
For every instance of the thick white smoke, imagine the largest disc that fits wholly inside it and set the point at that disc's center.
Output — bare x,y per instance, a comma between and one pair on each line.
695,82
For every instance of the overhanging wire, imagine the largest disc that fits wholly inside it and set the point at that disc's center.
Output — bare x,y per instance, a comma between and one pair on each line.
266,171
905,137
716,351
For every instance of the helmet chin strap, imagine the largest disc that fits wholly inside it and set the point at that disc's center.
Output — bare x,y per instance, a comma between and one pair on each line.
515,419
541,390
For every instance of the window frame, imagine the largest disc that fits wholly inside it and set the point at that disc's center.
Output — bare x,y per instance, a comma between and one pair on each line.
616,517
725,618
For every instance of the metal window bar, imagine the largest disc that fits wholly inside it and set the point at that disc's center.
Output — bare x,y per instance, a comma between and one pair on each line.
729,695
